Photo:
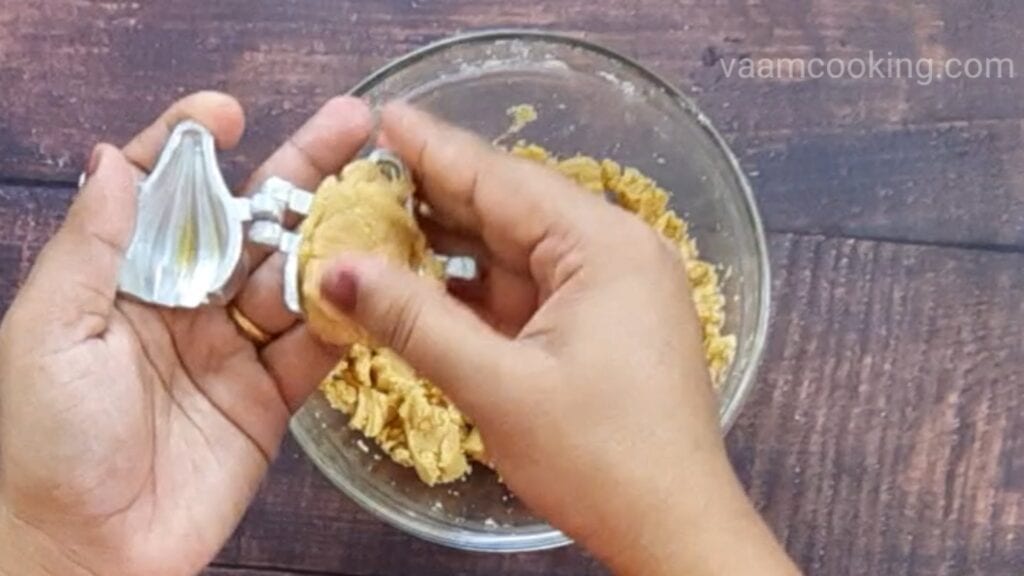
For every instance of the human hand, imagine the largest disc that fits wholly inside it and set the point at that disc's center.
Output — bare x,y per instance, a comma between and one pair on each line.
579,356
133,438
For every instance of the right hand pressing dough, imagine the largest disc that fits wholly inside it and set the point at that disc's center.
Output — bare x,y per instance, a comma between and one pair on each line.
409,418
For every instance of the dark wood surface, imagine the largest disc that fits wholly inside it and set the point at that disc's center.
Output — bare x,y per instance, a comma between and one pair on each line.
886,435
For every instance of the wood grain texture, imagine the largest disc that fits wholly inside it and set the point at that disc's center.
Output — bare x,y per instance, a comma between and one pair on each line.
28,217
959,184
874,158
886,435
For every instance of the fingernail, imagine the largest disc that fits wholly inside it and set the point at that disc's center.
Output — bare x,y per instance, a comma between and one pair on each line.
94,161
341,287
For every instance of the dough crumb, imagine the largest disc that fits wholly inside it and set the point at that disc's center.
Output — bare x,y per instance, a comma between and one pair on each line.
521,115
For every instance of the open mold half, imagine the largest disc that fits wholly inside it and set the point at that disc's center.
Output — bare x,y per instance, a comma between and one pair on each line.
188,240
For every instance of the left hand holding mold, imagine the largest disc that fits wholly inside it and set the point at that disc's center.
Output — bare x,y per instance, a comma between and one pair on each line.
132,437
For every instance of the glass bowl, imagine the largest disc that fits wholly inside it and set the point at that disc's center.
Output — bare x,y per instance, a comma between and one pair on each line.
593,101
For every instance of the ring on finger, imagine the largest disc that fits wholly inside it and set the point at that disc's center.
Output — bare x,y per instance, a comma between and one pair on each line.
247,327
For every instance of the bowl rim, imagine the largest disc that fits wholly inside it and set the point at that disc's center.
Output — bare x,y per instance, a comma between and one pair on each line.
728,412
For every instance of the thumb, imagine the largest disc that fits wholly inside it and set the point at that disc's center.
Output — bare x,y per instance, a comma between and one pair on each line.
74,282
442,338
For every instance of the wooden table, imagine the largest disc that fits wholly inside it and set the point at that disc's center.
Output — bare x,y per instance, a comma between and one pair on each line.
886,435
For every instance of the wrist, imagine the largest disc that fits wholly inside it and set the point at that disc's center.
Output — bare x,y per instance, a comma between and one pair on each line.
10,556
699,524
26,552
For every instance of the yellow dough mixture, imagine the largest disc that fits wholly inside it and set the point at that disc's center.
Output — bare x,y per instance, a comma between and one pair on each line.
406,415
363,210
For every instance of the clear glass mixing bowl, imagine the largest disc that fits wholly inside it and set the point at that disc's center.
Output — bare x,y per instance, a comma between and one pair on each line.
590,100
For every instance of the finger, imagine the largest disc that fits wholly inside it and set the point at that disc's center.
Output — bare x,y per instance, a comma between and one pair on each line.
321,147
74,281
512,204
220,113
299,362
439,336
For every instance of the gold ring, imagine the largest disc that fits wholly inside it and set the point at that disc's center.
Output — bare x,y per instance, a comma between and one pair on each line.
248,327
